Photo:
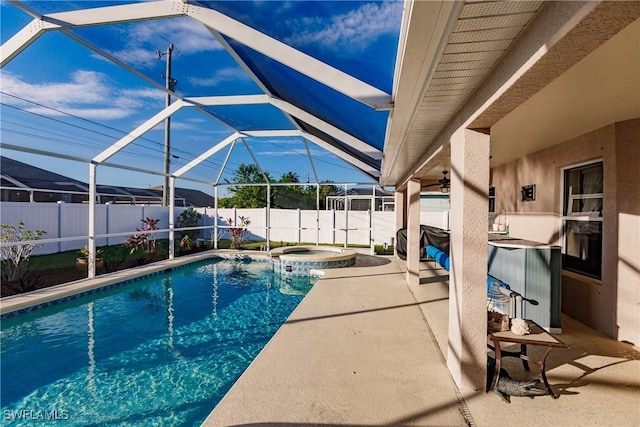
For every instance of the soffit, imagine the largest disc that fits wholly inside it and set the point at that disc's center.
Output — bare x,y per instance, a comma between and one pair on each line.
587,79
476,40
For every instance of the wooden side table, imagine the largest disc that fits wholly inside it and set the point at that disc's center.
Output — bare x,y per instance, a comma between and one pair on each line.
537,337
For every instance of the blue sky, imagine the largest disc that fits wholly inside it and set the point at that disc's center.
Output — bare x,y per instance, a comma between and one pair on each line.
60,96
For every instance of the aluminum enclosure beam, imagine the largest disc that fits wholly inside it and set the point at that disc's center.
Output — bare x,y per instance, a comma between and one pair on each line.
344,156
139,131
84,18
327,128
216,21
211,101
291,57
319,142
204,156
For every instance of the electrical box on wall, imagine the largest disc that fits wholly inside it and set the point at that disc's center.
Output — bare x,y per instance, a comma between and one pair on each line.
528,193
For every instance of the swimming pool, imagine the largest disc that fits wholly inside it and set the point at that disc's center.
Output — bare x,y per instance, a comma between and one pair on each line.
162,350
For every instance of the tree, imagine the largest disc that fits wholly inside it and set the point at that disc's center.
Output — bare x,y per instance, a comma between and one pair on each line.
282,197
291,196
327,190
246,196
189,218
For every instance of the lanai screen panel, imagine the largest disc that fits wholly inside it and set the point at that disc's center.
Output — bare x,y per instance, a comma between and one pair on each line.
252,117
358,38
347,114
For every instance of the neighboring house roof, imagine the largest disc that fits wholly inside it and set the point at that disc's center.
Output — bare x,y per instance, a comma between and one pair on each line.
17,174
22,175
193,197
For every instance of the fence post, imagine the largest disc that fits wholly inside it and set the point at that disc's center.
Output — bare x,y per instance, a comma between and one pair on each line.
371,243
107,213
299,226
60,203
333,226
318,214
346,218
371,212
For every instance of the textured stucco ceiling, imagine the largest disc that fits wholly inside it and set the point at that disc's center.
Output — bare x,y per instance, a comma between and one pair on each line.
601,89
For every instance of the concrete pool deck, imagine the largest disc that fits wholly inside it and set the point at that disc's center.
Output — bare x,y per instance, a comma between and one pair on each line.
365,348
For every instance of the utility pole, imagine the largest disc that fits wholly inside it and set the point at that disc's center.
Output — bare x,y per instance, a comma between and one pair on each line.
170,85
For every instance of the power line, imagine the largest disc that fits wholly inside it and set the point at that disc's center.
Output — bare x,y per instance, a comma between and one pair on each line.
64,113
208,163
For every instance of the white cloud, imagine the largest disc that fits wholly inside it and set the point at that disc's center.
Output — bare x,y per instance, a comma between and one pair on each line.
176,125
84,95
144,39
222,75
351,31
86,113
131,95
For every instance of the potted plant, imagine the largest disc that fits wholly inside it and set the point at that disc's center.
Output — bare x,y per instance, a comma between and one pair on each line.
82,262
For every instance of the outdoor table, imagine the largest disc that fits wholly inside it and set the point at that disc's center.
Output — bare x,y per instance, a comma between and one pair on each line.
537,337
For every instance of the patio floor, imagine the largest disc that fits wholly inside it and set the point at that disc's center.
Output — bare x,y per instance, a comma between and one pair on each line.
364,348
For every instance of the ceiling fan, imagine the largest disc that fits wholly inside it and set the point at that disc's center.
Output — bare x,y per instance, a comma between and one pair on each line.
444,183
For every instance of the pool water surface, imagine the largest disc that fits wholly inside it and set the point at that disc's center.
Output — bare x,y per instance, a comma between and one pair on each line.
159,351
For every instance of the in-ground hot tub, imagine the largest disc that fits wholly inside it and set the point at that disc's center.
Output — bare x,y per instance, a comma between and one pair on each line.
299,260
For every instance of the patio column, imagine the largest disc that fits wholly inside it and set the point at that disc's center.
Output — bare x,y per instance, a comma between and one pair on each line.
467,349
413,232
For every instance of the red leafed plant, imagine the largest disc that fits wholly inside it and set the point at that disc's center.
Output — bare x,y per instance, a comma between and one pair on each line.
146,239
238,232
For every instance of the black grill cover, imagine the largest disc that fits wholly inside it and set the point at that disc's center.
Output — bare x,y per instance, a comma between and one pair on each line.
429,235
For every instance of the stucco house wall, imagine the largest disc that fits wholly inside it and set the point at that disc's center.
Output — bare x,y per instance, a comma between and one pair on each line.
610,305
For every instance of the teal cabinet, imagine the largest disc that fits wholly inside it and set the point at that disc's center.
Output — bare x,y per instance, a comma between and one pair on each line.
533,270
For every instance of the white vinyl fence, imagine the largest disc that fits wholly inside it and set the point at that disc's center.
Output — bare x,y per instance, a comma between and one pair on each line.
67,224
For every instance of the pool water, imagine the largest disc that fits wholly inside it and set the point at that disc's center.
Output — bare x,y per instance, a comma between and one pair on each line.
159,351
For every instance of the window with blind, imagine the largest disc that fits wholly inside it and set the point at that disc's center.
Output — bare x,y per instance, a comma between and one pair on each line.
582,220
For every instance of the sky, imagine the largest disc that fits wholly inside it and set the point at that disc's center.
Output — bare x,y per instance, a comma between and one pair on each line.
62,97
